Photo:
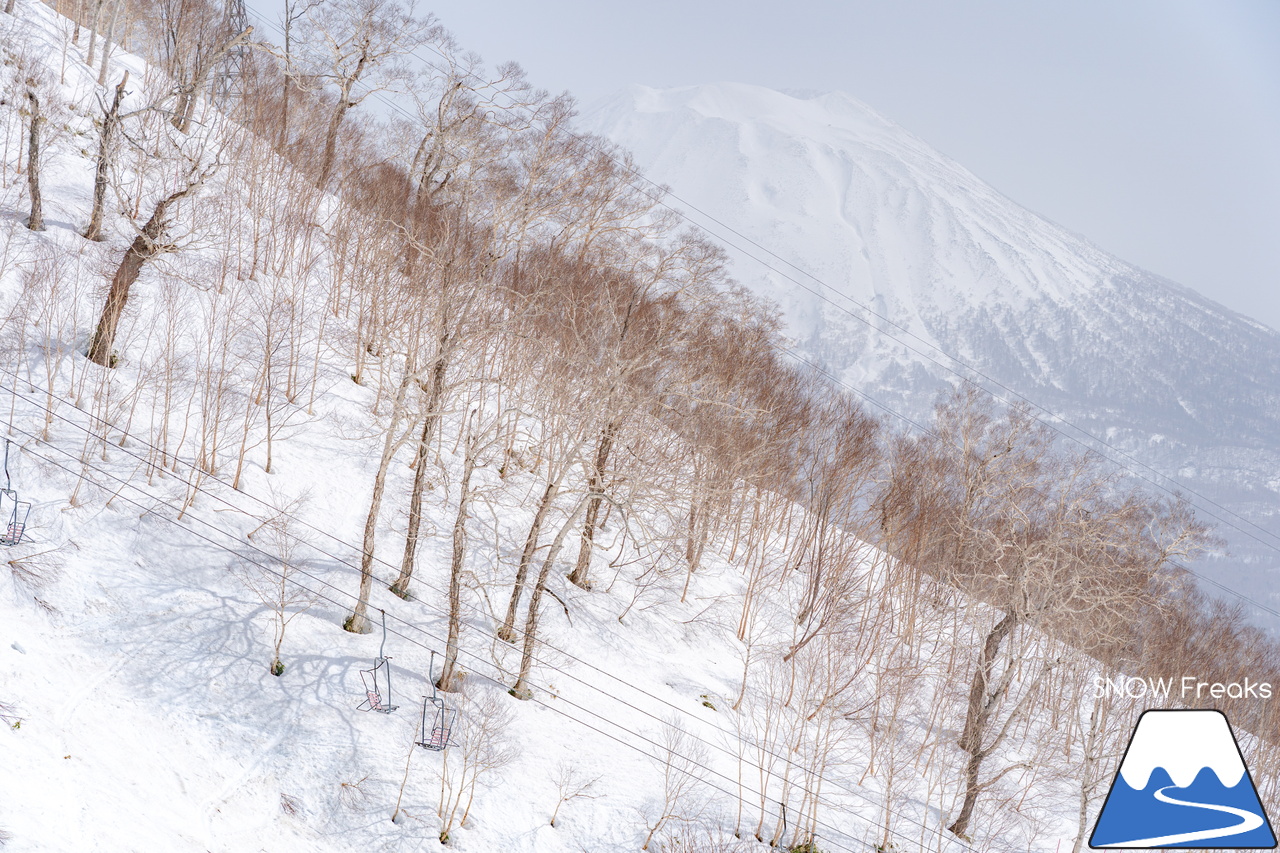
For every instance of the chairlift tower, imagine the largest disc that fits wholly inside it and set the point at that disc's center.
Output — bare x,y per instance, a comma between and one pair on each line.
228,83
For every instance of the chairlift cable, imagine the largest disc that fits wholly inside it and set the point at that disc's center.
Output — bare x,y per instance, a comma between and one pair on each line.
639,181
555,708
786,759
780,755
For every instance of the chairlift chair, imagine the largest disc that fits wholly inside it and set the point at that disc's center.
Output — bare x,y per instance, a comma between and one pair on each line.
13,511
377,681
437,737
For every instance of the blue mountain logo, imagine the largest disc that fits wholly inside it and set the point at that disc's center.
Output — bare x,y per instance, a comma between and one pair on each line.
1183,784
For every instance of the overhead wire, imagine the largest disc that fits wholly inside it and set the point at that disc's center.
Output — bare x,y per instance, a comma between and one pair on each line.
290,577
659,195
798,356
474,609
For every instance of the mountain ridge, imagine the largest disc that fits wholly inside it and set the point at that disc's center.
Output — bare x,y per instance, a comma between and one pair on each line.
885,223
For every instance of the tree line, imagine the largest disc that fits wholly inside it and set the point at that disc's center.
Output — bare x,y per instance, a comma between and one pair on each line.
531,323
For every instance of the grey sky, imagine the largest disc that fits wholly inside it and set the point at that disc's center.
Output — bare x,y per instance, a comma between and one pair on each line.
1152,127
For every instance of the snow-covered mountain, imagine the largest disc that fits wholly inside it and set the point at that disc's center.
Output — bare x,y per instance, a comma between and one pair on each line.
1183,743
898,269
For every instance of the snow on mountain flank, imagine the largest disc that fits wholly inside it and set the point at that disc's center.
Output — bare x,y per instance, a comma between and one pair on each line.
737,670
1183,743
887,259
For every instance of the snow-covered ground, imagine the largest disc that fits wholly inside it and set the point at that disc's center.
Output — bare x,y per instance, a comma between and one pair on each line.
134,644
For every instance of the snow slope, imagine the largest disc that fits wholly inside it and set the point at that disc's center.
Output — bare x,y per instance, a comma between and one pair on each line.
138,710
888,259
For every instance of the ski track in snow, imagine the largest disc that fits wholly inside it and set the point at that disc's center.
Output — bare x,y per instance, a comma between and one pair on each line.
1249,821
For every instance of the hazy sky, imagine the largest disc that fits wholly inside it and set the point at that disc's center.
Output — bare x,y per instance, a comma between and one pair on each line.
1152,127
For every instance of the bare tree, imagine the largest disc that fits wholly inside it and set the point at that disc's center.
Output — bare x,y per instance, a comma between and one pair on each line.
483,747
1044,538
363,43
276,584
459,306
1103,739
571,785
521,689
93,32
106,149
106,41
682,761
636,322
480,435
469,212
381,253
35,123
466,122
193,38
152,240
294,12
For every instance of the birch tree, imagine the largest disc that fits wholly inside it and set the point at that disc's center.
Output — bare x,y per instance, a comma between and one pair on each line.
36,121
107,143
179,169
194,37
360,48
1045,540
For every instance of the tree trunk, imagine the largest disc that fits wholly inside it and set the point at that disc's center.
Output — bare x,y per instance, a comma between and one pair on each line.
977,717
595,484
339,113
186,109
36,221
1087,770
521,689
189,91
284,104
507,632
106,42
401,585
144,247
103,172
696,535
358,621
93,33
455,575
8,7
331,143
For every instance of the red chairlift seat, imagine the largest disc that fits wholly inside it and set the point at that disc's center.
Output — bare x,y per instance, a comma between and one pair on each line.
377,680
438,736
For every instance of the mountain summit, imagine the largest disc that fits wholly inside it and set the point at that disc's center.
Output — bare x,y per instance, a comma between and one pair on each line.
898,269
1193,754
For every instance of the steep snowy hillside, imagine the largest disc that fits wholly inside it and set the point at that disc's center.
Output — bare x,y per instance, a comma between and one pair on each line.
898,269
140,605
560,471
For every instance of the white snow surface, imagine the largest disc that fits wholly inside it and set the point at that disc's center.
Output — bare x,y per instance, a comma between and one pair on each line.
139,711
133,662
1183,743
